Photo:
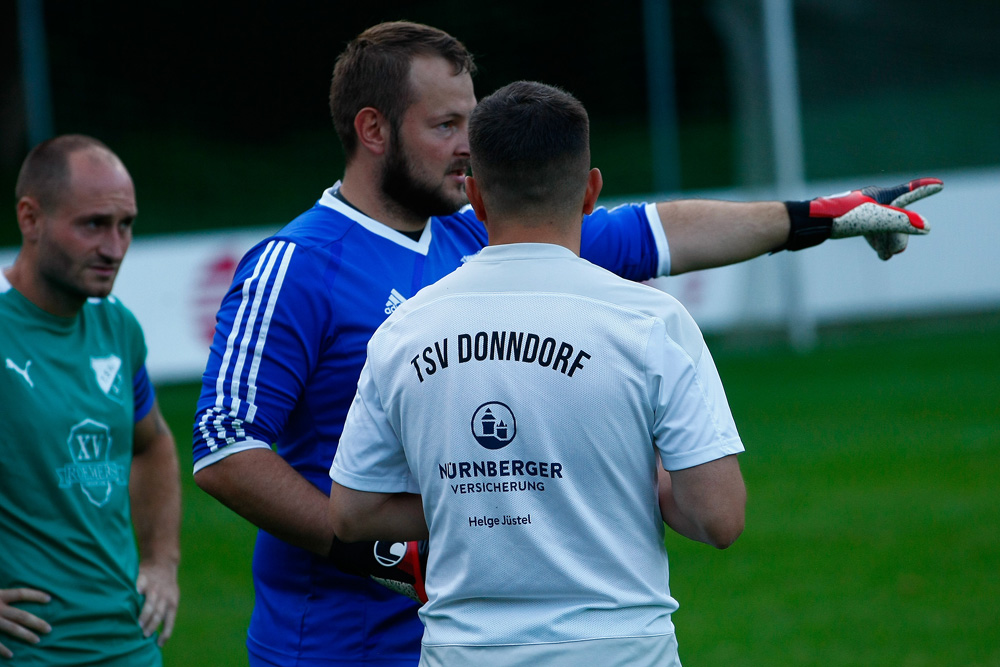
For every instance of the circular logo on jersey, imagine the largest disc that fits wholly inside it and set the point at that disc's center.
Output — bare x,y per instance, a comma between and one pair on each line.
493,425
389,554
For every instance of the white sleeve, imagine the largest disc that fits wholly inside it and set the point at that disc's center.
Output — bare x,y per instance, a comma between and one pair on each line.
692,422
370,456
660,236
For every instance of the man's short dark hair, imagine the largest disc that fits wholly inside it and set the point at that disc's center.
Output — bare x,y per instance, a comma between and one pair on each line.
530,145
373,71
45,171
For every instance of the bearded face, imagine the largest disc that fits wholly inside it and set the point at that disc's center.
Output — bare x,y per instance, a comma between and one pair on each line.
421,187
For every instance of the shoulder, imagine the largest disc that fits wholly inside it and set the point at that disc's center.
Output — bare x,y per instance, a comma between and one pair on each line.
621,216
112,323
464,216
651,303
463,220
327,222
317,228
112,317
628,210
311,239
112,310
678,325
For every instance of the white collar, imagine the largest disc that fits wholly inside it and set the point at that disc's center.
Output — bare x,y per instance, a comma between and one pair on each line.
330,200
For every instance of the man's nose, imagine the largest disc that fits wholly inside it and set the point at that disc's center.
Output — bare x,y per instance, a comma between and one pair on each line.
115,243
462,148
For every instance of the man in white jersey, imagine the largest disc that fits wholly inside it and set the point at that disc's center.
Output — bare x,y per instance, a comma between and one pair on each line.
85,455
518,413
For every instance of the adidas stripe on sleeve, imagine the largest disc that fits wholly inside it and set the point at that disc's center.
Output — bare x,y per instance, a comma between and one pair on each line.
226,420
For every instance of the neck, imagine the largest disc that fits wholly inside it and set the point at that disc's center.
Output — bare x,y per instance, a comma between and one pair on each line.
561,233
37,291
361,190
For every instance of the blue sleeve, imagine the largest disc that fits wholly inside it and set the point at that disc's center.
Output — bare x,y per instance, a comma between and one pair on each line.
270,327
627,240
142,393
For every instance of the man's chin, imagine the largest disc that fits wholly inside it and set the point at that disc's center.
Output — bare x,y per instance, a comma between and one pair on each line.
99,290
426,202
447,205
460,198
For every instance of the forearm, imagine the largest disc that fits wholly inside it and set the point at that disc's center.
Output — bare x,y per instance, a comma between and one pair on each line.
261,487
704,234
673,516
705,503
361,515
155,494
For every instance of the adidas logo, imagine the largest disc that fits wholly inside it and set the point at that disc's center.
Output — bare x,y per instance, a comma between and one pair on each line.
395,299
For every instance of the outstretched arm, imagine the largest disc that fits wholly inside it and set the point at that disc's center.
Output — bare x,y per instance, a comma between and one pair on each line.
704,234
155,492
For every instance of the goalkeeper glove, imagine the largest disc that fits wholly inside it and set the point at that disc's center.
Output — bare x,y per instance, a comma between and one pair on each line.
873,212
399,566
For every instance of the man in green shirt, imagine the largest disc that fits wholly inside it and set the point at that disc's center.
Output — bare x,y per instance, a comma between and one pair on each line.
85,455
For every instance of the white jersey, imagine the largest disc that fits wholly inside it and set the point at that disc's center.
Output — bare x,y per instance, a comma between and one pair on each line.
526,397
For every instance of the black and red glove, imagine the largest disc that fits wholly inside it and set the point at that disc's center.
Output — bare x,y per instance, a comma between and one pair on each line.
876,213
398,566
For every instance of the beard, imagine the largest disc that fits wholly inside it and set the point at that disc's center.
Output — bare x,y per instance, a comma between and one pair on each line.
409,192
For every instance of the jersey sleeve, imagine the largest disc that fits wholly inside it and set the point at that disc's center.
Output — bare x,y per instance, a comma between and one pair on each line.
142,393
628,240
693,423
370,456
270,327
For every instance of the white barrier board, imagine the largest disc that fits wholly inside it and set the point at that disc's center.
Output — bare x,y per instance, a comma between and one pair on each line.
175,283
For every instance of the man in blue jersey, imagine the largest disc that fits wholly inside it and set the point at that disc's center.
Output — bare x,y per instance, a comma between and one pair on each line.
529,449
85,454
292,330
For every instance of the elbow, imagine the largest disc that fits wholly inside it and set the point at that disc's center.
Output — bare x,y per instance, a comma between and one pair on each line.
209,480
343,529
723,539
219,481
723,534
347,525
730,520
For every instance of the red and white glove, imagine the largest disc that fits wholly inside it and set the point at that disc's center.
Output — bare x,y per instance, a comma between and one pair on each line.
876,213
399,566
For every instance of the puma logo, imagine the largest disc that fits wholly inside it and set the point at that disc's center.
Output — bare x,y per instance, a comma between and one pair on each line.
22,372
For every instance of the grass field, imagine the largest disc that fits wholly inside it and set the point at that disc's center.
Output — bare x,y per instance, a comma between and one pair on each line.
872,526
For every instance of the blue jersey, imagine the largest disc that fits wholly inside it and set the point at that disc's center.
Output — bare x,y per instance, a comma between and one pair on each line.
283,369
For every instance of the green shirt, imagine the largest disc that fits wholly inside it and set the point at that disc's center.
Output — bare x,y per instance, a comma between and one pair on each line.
66,435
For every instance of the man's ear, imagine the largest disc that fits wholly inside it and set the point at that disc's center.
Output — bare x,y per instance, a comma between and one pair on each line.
594,184
29,217
373,130
475,198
